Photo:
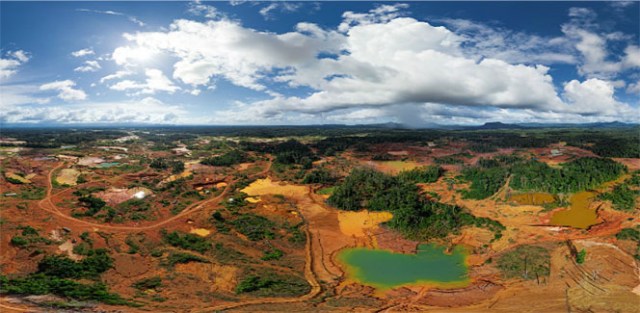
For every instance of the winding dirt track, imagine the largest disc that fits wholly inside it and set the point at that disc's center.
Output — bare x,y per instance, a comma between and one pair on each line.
309,275
47,205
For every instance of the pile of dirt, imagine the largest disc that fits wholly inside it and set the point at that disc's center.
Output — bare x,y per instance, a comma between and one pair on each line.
115,196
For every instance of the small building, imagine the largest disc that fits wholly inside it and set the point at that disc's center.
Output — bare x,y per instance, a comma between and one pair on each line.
555,152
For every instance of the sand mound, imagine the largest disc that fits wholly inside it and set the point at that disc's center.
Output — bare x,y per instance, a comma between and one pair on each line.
268,187
357,223
116,196
68,176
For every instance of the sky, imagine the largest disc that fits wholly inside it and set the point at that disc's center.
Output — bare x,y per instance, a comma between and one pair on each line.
299,63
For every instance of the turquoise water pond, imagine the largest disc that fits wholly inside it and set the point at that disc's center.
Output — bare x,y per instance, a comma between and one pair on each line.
385,269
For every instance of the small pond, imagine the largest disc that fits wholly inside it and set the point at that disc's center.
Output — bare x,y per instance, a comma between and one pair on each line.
383,269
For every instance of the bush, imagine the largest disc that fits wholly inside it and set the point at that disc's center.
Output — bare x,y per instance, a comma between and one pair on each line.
273,285
228,159
527,262
148,283
629,234
319,176
176,258
622,198
187,241
40,284
255,227
581,256
19,241
425,174
96,263
274,254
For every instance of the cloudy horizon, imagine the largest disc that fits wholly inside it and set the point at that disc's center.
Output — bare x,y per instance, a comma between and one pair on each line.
278,63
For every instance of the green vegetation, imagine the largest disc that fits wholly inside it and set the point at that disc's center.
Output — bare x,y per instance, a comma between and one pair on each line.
622,197
55,274
273,285
414,215
326,191
274,254
230,158
574,176
425,174
32,193
95,263
255,227
485,181
40,284
631,234
163,164
449,159
148,283
93,204
179,257
489,175
319,176
29,236
526,261
186,241
581,256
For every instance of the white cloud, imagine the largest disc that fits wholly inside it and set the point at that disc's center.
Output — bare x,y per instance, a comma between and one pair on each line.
89,66
594,96
20,55
596,59
10,63
66,90
634,88
241,55
131,18
116,75
208,11
82,52
147,110
156,81
481,40
267,11
379,61
16,95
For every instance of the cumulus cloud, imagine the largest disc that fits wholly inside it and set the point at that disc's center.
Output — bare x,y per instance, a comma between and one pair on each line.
481,40
148,110
10,63
594,96
65,89
156,81
82,52
380,59
592,44
89,66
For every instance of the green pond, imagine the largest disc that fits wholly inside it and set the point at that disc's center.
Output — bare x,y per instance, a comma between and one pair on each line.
107,164
385,269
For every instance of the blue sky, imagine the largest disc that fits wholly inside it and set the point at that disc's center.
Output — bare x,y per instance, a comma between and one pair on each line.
256,63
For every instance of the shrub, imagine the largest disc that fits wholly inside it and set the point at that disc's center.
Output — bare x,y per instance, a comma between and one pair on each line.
148,283
526,261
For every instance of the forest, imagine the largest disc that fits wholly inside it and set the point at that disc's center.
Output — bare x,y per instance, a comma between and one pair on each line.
489,175
415,216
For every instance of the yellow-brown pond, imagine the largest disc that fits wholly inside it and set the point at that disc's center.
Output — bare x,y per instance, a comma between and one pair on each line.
532,198
579,215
